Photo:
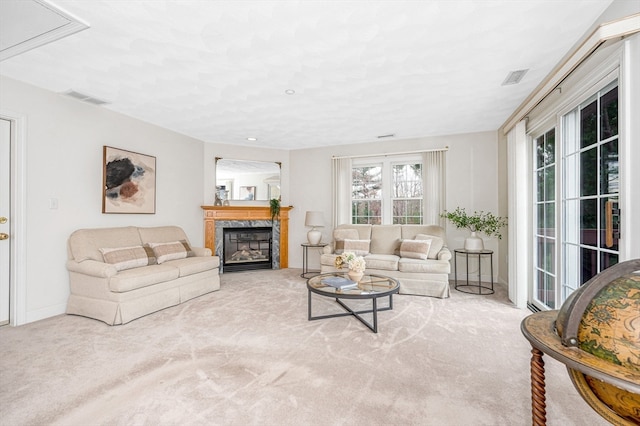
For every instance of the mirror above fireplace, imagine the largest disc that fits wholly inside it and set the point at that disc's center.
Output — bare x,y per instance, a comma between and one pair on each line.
247,180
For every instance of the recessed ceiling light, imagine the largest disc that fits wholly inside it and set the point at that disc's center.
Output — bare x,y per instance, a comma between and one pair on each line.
290,91
514,77
252,139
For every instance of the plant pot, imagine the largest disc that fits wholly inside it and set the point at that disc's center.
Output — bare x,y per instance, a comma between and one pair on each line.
473,243
355,276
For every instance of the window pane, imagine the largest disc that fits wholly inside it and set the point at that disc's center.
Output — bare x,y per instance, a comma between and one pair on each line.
588,222
550,183
609,114
550,147
540,152
549,256
589,264
607,260
407,180
609,183
367,182
589,172
540,220
540,252
589,121
603,226
550,219
540,184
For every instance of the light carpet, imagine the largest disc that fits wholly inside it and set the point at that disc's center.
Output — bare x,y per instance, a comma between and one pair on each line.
247,355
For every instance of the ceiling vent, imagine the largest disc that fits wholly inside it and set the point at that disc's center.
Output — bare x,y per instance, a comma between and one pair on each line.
84,97
514,77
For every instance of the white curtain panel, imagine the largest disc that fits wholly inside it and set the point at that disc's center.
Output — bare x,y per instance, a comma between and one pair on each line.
341,183
433,177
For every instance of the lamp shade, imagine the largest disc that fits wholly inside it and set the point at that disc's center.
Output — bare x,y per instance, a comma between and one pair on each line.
314,219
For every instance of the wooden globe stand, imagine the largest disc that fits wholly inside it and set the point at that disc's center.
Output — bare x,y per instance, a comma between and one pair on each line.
540,329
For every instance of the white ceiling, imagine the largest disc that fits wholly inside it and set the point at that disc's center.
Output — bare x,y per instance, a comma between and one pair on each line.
218,70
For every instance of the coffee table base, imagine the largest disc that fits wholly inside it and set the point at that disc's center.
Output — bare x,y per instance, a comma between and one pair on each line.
373,327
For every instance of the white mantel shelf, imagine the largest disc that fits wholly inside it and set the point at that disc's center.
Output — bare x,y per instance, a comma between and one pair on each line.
213,213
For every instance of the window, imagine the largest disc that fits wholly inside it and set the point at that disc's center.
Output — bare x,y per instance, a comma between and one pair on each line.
407,193
387,191
366,196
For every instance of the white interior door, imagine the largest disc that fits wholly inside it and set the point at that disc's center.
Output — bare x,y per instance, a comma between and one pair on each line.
5,226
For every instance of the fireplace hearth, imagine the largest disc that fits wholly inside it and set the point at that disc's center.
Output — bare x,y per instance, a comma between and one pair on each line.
247,248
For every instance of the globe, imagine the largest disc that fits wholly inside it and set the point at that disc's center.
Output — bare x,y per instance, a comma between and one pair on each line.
609,328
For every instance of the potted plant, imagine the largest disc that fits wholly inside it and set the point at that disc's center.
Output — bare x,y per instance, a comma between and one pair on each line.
274,208
484,222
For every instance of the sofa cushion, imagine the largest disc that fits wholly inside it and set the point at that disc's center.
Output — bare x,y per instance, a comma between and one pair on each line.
385,239
86,243
194,265
339,237
424,266
132,279
436,244
172,250
386,262
415,249
129,257
162,234
358,247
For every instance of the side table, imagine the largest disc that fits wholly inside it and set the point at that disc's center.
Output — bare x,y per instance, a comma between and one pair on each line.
473,288
305,259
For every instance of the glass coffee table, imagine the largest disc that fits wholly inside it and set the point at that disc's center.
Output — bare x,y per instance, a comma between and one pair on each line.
371,287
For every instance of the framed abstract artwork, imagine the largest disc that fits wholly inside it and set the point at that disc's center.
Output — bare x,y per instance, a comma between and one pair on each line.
129,182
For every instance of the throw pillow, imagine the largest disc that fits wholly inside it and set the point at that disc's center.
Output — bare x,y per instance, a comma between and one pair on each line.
128,257
415,249
436,244
171,251
358,247
340,235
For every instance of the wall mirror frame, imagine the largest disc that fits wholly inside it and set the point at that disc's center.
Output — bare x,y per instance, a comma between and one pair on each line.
247,180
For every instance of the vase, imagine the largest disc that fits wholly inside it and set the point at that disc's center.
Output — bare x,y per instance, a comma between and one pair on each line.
473,243
355,276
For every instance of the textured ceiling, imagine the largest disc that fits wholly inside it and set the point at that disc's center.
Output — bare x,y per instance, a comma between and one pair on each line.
218,70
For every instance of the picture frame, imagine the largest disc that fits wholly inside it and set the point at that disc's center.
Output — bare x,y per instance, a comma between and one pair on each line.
247,192
128,182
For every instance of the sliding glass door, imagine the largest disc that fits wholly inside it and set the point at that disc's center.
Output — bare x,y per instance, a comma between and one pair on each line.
581,239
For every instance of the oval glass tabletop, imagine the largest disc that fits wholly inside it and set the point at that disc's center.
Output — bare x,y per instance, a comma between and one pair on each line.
370,285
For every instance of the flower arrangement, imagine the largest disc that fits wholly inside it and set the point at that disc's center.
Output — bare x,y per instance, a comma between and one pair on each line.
484,222
353,262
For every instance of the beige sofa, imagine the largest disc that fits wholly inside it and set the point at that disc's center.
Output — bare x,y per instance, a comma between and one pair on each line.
391,251
119,274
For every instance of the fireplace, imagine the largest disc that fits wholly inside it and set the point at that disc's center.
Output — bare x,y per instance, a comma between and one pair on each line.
247,248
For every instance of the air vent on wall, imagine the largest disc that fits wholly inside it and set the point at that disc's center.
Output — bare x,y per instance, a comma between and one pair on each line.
84,97
514,77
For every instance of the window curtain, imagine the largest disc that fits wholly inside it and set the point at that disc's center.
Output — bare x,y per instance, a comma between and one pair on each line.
434,186
341,184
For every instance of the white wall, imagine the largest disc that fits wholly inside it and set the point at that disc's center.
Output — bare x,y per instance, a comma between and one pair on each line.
64,139
472,182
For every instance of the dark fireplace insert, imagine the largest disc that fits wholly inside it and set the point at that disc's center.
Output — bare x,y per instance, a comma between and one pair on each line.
246,249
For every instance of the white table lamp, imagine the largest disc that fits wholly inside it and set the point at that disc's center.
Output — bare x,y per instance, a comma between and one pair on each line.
314,220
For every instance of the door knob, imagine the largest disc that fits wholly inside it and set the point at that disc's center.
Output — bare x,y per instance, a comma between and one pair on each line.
3,219
4,236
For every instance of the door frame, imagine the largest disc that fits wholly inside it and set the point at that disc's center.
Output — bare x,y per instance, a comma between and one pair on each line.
17,278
